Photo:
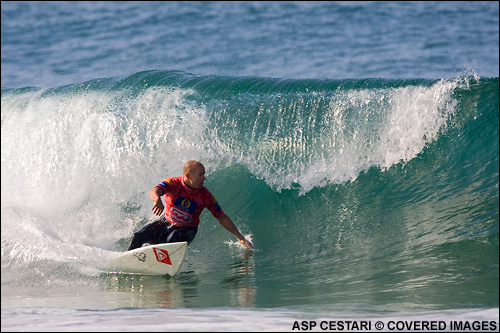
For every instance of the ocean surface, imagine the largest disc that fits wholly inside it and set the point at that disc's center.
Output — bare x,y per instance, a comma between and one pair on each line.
355,143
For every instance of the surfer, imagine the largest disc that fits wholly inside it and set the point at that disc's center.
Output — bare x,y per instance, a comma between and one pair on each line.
185,199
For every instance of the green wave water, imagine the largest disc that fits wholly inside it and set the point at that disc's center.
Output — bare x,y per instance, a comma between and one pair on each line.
356,193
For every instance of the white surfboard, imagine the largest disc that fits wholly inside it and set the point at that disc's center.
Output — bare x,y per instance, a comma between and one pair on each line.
158,259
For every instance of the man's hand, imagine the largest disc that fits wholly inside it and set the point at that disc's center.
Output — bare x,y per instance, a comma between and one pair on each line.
155,195
246,243
158,207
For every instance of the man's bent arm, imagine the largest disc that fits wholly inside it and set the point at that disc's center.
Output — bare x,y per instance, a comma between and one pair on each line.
228,224
155,195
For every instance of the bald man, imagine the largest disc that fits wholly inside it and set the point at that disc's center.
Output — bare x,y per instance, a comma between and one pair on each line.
185,199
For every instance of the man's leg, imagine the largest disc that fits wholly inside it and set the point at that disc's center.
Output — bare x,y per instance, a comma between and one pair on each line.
180,234
151,233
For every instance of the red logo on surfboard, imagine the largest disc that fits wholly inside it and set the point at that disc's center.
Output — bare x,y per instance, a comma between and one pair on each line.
162,256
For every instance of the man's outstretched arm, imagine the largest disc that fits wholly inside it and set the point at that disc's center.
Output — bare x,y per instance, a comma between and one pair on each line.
228,224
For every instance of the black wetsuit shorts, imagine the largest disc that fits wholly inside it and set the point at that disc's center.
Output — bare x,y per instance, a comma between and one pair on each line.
161,231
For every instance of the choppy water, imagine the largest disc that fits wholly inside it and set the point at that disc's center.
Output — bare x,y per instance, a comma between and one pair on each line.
356,144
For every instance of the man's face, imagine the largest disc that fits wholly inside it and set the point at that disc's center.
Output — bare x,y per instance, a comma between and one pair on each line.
196,176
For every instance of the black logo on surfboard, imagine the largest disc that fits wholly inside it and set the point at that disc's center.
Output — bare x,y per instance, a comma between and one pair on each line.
141,256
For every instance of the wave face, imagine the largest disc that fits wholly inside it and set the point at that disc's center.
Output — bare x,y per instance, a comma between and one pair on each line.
368,191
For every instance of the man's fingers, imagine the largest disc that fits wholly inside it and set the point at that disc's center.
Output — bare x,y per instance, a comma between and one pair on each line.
157,210
246,243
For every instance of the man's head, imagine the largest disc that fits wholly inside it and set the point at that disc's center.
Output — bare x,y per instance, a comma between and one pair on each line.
194,174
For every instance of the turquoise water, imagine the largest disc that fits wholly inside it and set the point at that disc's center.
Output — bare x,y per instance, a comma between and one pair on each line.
369,196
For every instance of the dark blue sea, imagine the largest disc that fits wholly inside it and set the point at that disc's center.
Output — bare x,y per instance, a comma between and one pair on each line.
355,143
